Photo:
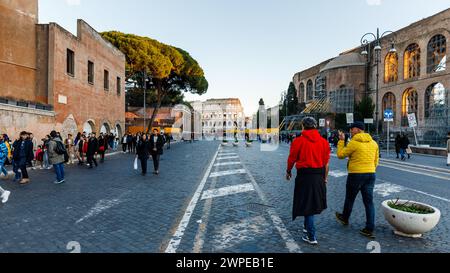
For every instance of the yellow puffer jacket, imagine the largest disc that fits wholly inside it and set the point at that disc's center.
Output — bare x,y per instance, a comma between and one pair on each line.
363,154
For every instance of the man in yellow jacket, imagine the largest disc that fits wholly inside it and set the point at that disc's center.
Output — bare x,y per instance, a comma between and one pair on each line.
363,154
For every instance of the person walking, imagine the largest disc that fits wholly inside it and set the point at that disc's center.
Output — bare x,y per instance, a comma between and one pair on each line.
398,139
35,147
143,152
56,151
363,154
92,148
404,147
102,146
130,143
156,149
3,157
124,143
310,153
69,143
22,155
45,141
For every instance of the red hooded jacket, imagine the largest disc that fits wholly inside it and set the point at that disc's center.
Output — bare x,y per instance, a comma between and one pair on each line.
310,150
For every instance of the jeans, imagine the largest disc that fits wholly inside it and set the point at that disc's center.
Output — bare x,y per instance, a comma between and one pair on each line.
3,170
402,153
59,170
309,226
366,184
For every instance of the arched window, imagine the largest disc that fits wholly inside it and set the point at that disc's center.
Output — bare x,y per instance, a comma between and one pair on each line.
410,104
435,101
302,92
412,61
389,102
309,91
436,55
391,67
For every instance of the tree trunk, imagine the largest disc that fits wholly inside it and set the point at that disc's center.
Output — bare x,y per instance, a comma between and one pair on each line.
161,95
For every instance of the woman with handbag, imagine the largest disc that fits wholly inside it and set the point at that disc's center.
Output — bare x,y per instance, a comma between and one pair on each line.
143,152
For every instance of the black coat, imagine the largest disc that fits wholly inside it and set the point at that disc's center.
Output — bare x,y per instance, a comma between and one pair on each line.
404,142
310,196
92,146
29,156
143,149
159,145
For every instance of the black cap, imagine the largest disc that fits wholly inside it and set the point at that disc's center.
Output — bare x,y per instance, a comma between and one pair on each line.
359,125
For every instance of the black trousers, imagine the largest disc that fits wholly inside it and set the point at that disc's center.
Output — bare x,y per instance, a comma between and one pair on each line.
156,158
144,165
130,147
90,159
124,147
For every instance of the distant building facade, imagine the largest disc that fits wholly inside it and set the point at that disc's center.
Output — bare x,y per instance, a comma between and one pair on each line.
413,79
51,79
219,115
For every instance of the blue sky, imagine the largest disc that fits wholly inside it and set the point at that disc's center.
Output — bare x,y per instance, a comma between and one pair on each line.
249,49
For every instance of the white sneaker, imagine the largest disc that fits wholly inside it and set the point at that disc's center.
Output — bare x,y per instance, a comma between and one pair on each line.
5,196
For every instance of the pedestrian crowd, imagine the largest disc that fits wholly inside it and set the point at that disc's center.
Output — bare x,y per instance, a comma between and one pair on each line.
86,148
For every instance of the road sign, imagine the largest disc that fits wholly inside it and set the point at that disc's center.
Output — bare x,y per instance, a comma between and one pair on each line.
322,122
388,115
350,118
412,120
368,120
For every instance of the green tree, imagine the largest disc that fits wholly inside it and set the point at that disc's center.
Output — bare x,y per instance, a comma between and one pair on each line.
289,104
364,109
169,71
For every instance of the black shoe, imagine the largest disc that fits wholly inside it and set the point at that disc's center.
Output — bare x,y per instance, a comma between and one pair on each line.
341,219
367,233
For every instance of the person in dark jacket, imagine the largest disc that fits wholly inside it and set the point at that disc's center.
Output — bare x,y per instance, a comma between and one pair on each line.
22,155
143,152
102,147
404,145
156,149
91,151
398,139
57,160
310,153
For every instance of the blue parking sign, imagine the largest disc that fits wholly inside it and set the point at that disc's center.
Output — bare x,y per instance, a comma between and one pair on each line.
388,115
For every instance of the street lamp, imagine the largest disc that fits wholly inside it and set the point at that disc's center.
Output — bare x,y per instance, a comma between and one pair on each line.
144,87
366,44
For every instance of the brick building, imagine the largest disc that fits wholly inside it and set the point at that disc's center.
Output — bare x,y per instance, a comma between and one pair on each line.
51,79
413,78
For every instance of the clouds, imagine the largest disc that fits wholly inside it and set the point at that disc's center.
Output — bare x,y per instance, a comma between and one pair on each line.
374,2
73,2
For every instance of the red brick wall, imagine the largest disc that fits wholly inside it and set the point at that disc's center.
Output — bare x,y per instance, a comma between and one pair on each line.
85,101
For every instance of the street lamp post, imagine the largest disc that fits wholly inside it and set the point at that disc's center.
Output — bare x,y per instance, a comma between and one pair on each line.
366,44
145,99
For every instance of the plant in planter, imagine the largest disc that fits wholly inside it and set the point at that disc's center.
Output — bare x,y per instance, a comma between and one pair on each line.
409,218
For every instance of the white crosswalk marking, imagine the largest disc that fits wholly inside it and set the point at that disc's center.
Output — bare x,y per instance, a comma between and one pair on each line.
337,173
227,154
227,157
227,164
227,191
229,172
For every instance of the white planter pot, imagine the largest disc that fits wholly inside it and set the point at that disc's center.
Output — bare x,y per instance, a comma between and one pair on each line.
225,144
410,224
235,144
248,144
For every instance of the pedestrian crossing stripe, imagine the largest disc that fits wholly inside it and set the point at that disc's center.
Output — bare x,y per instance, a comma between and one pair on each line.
210,194
229,172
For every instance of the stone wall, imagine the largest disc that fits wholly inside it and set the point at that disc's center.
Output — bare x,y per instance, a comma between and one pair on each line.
15,119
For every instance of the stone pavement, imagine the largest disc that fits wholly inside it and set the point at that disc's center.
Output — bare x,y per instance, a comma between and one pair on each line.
207,199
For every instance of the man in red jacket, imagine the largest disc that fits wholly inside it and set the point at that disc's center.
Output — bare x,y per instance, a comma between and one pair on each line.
310,153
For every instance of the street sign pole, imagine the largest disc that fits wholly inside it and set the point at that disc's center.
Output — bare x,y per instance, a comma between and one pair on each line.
415,136
388,138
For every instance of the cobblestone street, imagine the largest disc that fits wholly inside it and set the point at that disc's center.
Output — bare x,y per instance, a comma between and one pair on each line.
208,199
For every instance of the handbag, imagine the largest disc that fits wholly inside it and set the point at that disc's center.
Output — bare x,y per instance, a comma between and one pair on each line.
136,163
409,151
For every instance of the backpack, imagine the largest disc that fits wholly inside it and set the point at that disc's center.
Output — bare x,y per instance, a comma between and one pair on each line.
3,151
60,148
